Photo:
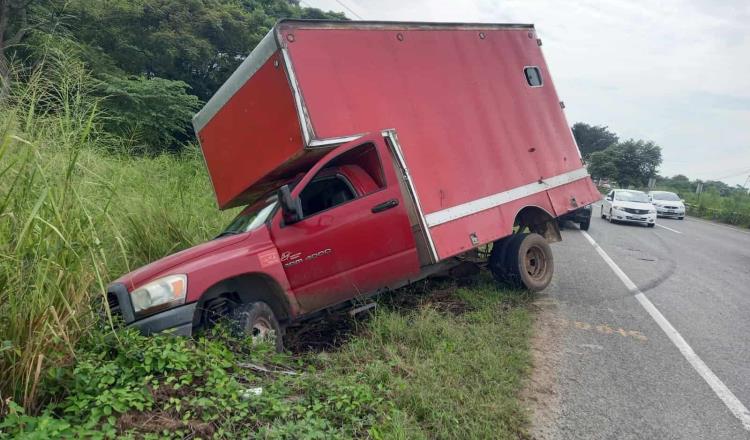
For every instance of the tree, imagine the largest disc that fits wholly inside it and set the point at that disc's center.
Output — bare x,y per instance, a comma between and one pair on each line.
153,113
154,60
600,166
593,138
635,161
199,42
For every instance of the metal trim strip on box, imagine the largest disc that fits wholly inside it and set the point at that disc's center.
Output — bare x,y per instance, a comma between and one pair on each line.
491,201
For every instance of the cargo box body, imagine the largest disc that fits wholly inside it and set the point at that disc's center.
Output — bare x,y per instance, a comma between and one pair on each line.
479,139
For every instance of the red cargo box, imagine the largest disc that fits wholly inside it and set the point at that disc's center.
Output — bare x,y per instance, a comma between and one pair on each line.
480,126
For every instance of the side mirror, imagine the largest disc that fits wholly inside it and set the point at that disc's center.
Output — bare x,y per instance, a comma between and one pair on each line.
291,209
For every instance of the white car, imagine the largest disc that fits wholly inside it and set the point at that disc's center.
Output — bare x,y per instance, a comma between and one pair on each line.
668,204
625,205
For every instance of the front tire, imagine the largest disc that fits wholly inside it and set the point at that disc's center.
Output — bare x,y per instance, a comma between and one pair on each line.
258,321
602,214
523,261
611,220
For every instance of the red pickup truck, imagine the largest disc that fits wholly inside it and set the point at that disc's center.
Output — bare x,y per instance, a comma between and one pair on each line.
369,155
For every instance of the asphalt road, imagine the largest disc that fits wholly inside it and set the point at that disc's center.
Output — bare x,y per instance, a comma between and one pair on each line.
613,372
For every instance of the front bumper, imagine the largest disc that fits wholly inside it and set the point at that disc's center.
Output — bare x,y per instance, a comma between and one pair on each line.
177,320
663,212
623,216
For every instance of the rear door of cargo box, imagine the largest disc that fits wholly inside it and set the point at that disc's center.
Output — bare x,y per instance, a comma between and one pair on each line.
479,122
250,127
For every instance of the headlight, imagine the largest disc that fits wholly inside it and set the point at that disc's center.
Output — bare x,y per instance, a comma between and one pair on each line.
160,294
619,208
652,211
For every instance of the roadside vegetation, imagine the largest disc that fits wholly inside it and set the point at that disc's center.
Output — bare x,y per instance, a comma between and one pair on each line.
444,363
631,163
77,210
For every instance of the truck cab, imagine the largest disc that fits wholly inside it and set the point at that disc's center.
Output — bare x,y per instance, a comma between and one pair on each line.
346,235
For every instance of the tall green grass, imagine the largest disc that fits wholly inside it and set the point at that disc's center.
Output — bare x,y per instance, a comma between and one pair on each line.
73,216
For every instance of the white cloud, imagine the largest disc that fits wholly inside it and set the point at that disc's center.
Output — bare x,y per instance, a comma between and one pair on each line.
667,70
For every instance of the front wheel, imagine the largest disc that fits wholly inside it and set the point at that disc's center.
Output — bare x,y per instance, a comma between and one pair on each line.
258,321
523,261
602,213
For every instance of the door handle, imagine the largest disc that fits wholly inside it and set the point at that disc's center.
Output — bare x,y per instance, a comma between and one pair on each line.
384,206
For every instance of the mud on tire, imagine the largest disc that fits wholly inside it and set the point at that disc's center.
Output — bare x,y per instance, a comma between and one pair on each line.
258,321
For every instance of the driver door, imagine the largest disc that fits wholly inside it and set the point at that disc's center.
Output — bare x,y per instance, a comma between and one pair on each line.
355,235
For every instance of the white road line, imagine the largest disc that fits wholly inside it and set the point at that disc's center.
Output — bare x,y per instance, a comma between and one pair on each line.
669,229
725,394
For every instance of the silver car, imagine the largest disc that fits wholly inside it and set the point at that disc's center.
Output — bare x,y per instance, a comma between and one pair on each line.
668,204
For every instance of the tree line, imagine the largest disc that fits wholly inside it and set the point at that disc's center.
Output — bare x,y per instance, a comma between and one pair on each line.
154,62
631,162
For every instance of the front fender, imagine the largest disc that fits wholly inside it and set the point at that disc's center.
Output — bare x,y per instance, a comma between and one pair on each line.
257,255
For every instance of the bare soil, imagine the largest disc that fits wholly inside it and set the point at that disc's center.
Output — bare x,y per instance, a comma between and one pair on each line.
541,394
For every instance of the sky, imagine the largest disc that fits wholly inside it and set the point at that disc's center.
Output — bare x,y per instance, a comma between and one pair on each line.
674,72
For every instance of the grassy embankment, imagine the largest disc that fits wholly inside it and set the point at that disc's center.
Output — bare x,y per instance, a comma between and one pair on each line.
76,212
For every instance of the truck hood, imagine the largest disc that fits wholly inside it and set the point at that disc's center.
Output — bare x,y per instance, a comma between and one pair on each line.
159,267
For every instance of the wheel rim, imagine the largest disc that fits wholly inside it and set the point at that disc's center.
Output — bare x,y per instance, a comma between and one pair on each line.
535,262
262,330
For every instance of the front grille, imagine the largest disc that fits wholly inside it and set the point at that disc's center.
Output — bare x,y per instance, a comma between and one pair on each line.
636,211
671,207
113,303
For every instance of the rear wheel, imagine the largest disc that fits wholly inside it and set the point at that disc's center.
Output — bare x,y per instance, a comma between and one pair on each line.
258,321
585,225
523,261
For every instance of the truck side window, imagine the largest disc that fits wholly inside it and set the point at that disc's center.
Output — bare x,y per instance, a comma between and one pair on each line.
533,76
325,193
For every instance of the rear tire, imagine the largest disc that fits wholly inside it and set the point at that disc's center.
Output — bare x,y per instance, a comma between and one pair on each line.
258,321
651,225
585,225
523,261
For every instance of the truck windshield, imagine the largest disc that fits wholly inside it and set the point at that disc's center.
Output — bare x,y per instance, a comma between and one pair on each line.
250,218
666,196
631,196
